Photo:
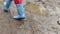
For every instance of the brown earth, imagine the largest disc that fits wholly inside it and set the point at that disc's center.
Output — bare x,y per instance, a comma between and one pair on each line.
35,23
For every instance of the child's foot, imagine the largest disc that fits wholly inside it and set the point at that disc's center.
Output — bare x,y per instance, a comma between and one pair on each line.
6,5
5,8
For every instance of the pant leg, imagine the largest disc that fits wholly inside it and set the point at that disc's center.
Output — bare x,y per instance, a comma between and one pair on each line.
18,1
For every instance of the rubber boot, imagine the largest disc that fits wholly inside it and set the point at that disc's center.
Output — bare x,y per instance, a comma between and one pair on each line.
7,5
21,14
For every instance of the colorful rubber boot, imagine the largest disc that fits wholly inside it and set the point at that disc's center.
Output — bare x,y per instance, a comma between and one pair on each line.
21,14
7,5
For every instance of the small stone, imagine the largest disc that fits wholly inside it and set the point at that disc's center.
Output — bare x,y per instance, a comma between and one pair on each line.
58,22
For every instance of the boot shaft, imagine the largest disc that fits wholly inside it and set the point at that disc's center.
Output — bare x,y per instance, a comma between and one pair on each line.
20,8
8,3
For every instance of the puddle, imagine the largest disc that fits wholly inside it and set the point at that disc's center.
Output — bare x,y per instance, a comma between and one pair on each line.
35,9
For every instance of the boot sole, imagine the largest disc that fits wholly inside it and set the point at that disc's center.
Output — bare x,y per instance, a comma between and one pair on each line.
6,11
19,18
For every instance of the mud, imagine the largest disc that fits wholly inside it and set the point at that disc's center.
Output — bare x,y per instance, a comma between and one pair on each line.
35,22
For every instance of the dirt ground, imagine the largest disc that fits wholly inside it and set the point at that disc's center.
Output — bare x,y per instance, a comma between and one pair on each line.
33,24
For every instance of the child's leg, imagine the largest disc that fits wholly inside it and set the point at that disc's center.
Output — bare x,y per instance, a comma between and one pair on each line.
7,5
20,9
